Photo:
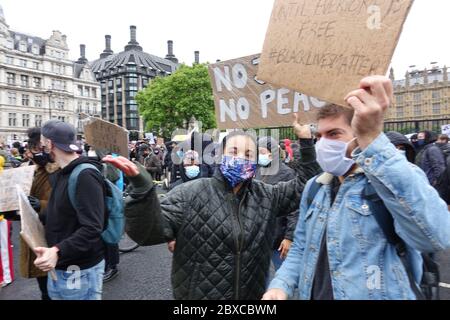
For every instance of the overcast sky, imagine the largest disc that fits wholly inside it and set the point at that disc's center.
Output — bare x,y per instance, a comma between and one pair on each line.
219,29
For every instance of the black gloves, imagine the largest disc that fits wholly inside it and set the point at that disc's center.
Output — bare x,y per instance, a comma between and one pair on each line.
35,203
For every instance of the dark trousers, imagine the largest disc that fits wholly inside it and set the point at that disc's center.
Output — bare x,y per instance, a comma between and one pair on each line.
111,256
42,282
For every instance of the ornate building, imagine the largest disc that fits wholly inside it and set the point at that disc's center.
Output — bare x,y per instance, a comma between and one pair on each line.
421,96
123,74
38,82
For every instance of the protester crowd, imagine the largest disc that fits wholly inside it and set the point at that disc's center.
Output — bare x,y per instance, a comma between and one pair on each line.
348,212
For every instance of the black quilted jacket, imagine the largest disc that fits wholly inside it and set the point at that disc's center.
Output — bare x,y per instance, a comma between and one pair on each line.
223,240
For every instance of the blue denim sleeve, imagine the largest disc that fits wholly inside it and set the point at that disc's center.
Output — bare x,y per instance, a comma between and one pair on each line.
421,217
287,277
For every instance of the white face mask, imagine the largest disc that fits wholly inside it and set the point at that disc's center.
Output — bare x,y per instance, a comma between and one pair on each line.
332,156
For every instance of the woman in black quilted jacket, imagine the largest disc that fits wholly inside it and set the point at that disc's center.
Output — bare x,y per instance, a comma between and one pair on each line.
223,226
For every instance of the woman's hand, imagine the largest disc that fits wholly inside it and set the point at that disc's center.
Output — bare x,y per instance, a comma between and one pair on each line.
123,164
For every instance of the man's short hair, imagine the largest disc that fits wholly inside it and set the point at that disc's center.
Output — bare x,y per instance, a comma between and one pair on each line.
334,111
444,137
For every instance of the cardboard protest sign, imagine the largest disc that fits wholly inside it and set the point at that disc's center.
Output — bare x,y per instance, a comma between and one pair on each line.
32,232
324,48
22,176
243,101
106,136
446,129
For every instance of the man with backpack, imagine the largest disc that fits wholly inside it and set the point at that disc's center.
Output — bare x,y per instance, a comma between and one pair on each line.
365,223
73,227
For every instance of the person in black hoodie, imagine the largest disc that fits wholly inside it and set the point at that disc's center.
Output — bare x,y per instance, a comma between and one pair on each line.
76,249
272,170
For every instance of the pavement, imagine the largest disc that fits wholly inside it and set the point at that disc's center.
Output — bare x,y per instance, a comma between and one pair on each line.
145,275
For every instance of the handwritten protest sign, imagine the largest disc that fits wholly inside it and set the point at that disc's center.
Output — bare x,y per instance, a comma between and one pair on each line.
106,136
446,129
324,48
243,101
22,176
32,232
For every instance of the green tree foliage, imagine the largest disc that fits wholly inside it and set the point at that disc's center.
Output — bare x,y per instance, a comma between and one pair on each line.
169,103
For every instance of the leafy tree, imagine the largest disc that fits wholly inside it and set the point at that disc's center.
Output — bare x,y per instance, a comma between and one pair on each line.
169,103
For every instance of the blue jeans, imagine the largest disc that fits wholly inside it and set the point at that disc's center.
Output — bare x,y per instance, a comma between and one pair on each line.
77,285
276,260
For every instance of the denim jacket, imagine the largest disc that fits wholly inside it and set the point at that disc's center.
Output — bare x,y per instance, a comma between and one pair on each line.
363,265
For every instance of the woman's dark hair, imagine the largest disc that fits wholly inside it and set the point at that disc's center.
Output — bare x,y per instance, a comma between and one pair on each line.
238,133
34,137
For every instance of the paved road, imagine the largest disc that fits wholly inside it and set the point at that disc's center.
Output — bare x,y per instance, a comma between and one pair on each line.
145,275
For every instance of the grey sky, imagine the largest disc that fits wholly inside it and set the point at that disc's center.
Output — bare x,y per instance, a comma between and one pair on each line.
220,29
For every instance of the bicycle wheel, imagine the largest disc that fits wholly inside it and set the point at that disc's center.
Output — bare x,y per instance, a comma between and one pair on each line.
126,244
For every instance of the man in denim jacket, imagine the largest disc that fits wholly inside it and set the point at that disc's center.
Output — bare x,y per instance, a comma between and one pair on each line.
339,251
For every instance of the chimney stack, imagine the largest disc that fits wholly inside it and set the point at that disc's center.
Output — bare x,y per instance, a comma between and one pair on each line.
197,57
82,59
107,52
133,34
133,44
170,56
108,42
170,48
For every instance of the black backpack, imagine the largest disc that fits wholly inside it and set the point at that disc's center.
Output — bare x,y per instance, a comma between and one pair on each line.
429,286
443,183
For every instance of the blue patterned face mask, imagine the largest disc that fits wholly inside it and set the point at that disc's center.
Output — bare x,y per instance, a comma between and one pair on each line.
237,170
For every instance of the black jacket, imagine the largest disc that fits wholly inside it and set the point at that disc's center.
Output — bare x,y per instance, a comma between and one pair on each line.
224,240
285,225
77,233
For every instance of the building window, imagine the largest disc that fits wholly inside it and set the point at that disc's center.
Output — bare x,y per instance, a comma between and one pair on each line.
25,100
9,60
418,110
23,63
24,81
35,49
12,119
86,92
418,96
37,82
80,91
80,107
132,81
10,43
60,104
26,120
12,98
23,46
400,112
131,69
436,94
57,68
36,65
88,108
436,108
118,82
63,119
94,93
38,121
38,101
400,99
11,78
58,85
110,83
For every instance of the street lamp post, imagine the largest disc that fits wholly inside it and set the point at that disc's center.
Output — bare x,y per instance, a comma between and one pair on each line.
50,93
